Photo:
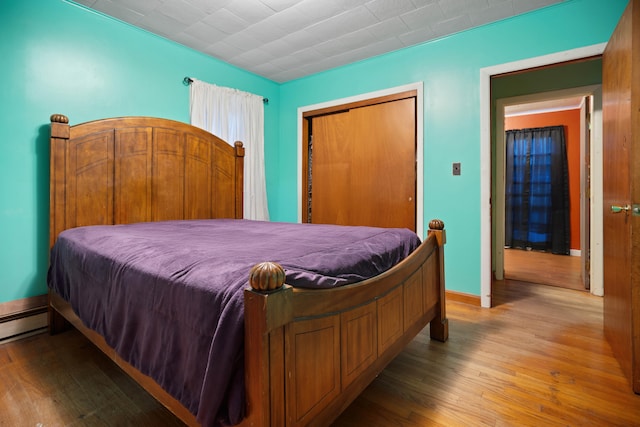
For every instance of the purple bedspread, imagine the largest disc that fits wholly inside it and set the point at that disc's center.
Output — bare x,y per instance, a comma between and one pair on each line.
168,296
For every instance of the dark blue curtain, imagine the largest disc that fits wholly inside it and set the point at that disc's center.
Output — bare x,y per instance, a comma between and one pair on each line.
537,190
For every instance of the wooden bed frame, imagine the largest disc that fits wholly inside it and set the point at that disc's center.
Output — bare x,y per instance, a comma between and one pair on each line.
308,353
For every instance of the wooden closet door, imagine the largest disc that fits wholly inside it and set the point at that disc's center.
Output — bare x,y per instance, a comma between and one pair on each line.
364,166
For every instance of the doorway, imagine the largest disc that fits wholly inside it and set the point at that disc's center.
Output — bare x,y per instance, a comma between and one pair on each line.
488,98
572,109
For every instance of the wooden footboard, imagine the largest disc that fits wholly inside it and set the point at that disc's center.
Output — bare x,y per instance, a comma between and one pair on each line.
310,353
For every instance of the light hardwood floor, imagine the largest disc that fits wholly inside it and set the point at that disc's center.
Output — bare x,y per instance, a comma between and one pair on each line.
538,358
543,268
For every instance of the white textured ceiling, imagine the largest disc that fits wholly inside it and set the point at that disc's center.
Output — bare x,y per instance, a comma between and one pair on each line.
287,39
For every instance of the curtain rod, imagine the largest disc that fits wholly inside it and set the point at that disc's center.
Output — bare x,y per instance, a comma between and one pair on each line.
188,80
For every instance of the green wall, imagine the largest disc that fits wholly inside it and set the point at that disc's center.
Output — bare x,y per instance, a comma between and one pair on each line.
573,74
450,71
61,58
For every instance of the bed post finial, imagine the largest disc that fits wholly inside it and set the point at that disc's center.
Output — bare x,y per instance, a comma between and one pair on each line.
59,118
437,226
266,276
239,148
59,126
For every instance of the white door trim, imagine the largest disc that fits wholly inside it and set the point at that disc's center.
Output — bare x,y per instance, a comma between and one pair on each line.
418,87
485,146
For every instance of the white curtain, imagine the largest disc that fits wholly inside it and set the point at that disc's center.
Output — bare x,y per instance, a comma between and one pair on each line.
234,115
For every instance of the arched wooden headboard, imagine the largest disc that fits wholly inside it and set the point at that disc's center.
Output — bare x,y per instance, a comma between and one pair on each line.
137,169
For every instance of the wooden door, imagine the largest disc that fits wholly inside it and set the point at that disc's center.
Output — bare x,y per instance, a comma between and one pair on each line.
621,181
363,165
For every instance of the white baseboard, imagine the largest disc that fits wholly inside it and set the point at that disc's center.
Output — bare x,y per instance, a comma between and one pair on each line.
575,252
17,328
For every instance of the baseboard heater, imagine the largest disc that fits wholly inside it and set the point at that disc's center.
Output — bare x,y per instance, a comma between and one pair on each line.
27,321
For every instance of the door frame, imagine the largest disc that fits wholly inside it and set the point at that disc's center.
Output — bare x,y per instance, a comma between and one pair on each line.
485,148
418,87
588,209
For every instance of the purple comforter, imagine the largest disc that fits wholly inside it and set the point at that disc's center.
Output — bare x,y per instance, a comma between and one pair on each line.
168,296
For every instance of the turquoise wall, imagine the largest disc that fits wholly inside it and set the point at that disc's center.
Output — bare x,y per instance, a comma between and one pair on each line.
450,71
61,58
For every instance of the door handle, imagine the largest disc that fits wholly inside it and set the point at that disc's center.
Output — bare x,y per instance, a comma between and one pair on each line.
618,209
635,209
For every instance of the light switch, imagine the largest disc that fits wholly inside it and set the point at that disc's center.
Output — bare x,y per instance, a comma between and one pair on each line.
456,168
